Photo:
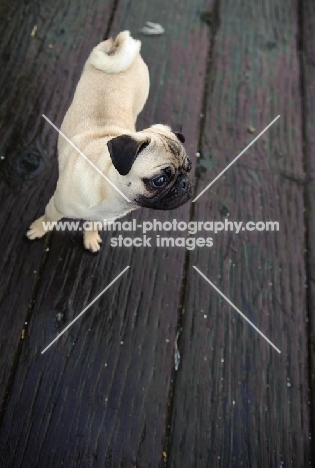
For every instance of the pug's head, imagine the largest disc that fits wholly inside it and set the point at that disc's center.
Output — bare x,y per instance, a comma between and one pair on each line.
153,166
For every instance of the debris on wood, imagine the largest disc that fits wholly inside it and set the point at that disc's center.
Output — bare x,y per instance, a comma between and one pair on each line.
23,334
34,30
152,29
59,317
251,129
176,353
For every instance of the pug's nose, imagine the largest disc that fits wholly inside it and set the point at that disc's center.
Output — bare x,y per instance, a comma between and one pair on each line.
184,183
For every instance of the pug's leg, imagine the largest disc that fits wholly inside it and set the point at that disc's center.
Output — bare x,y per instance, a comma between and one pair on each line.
92,240
45,223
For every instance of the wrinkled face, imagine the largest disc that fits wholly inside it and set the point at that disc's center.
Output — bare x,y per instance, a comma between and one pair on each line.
152,166
162,166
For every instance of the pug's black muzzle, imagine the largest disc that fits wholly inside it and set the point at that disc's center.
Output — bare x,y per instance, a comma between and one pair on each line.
176,196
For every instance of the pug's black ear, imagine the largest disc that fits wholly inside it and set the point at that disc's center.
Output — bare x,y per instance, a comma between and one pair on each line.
177,129
123,151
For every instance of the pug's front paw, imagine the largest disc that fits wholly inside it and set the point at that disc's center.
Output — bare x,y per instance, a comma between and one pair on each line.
92,241
36,229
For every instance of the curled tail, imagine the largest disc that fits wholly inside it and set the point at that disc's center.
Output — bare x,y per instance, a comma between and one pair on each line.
115,56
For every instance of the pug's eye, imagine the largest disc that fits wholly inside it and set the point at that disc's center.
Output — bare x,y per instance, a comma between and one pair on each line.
159,181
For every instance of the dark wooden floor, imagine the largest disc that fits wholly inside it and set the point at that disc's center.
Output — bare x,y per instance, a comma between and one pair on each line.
107,393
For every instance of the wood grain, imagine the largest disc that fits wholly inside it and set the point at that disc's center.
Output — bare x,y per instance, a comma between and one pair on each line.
99,396
38,76
106,394
237,402
307,56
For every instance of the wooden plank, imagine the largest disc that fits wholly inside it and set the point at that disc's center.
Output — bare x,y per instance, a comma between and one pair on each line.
307,54
38,76
99,396
237,402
